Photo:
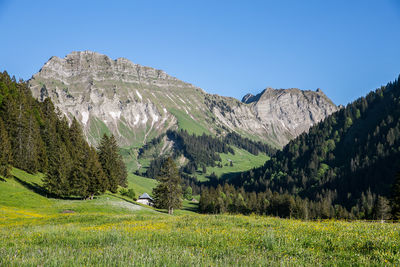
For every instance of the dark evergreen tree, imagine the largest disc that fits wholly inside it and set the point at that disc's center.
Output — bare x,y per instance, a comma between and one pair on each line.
122,172
79,153
56,180
168,193
5,152
112,163
96,181
395,198
382,209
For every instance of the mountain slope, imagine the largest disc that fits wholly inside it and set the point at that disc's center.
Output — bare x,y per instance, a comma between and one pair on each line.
137,103
290,111
349,158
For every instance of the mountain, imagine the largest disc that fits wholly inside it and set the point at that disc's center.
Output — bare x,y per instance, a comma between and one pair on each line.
290,112
350,158
137,103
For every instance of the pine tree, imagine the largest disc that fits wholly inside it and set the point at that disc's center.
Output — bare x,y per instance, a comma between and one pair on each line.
168,193
97,182
79,150
31,145
43,160
56,180
382,209
48,133
395,200
112,163
122,172
5,152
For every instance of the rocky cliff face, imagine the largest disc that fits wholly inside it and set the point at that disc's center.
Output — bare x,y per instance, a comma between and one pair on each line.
137,103
290,112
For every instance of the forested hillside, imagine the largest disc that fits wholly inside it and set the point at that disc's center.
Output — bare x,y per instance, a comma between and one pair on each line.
349,159
35,137
202,151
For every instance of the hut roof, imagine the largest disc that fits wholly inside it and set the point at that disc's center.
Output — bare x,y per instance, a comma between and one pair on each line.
146,196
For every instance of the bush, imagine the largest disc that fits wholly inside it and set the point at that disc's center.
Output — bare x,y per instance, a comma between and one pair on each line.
128,193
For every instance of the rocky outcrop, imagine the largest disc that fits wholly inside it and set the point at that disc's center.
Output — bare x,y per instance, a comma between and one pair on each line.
291,112
137,103
249,98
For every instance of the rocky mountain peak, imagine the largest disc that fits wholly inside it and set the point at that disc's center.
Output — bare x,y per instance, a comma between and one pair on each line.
136,102
99,66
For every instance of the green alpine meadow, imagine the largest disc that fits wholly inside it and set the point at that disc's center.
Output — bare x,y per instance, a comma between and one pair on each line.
112,231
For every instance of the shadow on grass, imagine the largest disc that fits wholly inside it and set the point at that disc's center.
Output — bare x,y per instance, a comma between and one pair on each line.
194,207
38,189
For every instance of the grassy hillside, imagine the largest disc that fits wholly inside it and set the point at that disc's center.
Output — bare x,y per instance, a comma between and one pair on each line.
24,195
36,231
241,161
141,184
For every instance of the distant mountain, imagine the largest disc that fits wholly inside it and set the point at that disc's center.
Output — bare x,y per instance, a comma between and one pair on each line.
138,103
290,112
350,158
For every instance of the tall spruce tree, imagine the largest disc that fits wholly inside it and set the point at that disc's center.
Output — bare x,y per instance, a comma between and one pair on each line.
5,152
395,199
168,193
112,163
97,182
56,179
79,152
382,208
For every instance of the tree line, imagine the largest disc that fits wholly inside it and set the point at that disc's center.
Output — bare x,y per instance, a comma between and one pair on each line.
228,199
35,137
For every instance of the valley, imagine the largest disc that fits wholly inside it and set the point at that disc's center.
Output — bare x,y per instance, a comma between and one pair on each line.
72,178
199,133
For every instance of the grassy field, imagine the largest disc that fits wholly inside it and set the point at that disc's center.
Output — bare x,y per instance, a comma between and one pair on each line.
242,161
141,184
37,231
188,124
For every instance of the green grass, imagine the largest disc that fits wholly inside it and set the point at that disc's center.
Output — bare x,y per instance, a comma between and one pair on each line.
129,155
25,191
97,129
106,231
125,131
187,123
242,161
141,184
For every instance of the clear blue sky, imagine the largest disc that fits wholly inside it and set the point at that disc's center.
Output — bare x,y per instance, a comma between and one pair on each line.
346,48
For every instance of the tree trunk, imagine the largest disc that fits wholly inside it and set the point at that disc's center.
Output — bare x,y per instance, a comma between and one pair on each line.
170,211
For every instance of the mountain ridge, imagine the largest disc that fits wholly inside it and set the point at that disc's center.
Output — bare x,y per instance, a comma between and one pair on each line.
136,102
